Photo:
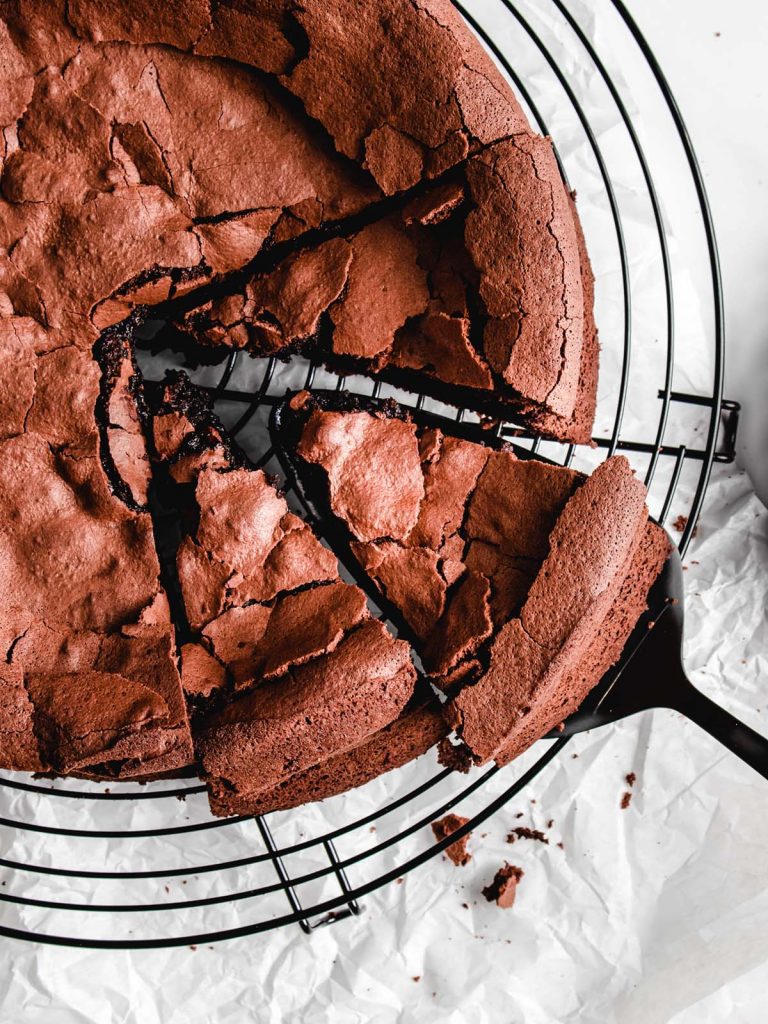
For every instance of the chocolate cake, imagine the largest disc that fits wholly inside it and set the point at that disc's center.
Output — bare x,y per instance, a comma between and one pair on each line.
89,681
234,168
518,581
423,224
458,294
282,662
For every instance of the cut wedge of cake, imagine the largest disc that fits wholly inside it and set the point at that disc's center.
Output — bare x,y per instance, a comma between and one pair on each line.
89,680
518,581
459,293
297,691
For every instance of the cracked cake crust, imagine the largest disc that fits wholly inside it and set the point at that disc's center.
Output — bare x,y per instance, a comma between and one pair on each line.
518,581
150,158
290,675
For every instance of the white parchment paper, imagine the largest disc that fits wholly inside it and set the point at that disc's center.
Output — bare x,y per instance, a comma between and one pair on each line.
651,914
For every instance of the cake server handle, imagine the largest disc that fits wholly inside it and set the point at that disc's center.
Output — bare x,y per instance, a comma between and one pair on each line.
742,741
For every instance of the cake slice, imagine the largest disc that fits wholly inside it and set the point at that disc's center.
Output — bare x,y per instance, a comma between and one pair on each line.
517,581
461,293
89,680
297,692
417,729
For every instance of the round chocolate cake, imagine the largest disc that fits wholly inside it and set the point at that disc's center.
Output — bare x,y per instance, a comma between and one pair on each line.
352,180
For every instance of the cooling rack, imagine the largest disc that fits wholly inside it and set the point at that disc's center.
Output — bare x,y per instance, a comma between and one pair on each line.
134,866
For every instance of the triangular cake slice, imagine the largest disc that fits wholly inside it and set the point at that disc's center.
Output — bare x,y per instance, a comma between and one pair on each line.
297,691
89,682
478,292
518,581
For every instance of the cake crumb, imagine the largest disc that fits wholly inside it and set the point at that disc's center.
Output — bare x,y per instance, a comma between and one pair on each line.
561,846
630,779
522,832
626,800
503,888
457,851
550,823
417,977
454,756
680,524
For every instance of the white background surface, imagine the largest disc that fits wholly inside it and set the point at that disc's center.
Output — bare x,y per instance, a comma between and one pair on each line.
652,915
714,55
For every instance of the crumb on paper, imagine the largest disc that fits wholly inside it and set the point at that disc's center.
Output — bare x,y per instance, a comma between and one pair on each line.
550,823
457,851
417,977
680,524
630,779
522,832
626,800
503,888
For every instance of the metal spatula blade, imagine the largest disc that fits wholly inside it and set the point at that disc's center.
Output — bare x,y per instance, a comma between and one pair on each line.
651,674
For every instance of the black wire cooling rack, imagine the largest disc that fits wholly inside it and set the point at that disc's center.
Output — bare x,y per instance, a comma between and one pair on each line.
145,866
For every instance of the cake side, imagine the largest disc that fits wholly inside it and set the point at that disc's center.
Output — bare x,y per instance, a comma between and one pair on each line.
579,612
414,732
